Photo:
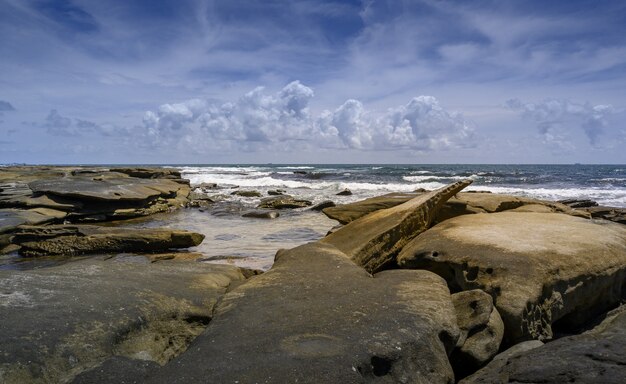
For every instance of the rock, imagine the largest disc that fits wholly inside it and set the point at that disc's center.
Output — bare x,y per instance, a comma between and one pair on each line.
276,192
262,214
173,256
86,239
617,215
481,331
60,321
106,188
539,268
117,369
373,241
597,356
323,205
345,213
93,194
149,173
579,203
247,193
10,219
283,202
345,192
315,317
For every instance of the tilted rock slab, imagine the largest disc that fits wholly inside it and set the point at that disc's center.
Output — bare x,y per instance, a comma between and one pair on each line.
60,321
71,240
597,356
538,267
316,317
372,241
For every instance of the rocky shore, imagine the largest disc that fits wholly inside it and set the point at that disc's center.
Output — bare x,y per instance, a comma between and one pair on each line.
436,286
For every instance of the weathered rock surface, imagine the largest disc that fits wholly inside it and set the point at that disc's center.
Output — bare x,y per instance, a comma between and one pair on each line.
461,204
481,328
345,192
323,205
262,214
538,267
60,321
373,241
617,215
71,240
345,213
597,356
247,193
315,317
93,194
283,202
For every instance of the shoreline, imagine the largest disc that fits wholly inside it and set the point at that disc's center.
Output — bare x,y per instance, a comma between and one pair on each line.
459,270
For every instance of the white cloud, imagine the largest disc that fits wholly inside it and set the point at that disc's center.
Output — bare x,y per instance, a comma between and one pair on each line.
58,125
554,115
259,119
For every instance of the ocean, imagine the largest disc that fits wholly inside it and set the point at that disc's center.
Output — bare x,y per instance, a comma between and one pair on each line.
231,238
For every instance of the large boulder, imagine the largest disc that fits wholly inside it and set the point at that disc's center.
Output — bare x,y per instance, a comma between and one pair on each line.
372,241
315,317
597,356
539,268
60,321
71,240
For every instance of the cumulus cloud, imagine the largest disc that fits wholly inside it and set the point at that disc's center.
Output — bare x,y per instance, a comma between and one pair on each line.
58,125
555,115
258,117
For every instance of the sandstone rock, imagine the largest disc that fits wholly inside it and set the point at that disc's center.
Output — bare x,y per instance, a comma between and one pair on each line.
579,203
149,173
60,321
85,239
373,241
107,187
262,214
315,317
345,213
539,268
323,205
617,215
276,192
247,193
283,202
481,331
597,356
345,192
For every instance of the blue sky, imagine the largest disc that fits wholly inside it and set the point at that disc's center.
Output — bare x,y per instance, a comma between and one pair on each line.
197,81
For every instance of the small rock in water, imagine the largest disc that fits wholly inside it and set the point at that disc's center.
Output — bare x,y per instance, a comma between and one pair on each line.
322,205
345,192
247,193
262,214
283,202
276,192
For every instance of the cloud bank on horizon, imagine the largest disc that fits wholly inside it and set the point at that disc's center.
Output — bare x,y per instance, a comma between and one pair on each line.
201,81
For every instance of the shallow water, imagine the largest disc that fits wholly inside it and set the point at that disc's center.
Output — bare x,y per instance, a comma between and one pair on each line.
245,242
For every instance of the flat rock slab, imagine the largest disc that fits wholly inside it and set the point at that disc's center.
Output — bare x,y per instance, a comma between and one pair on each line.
315,317
538,267
72,240
11,218
106,187
597,356
373,241
58,322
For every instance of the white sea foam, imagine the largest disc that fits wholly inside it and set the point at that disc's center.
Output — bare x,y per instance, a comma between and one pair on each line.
610,197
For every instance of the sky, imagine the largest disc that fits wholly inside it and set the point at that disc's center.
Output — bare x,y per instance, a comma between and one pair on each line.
312,81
